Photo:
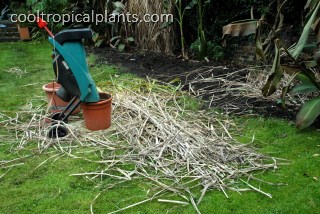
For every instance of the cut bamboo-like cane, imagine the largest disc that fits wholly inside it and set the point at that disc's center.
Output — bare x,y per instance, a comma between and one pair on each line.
156,139
173,201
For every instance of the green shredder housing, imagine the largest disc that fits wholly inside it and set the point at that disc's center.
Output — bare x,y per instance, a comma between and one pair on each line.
70,66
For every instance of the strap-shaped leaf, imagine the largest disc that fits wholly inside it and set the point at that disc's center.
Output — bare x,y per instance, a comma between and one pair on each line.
259,49
276,76
304,78
191,4
304,87
305,33
311,4
308,113
310,64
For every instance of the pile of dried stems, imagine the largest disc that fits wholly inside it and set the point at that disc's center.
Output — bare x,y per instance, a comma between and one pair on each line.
178,150
234,91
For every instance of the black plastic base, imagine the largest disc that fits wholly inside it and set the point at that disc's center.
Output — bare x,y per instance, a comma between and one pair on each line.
57,131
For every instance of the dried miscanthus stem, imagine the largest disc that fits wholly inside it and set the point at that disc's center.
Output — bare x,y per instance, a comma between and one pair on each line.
173,201
234,91
176,149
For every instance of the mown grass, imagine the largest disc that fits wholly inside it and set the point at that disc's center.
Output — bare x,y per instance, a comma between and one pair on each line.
50,189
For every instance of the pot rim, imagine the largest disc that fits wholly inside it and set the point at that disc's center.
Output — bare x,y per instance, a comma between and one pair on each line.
101,102
47,88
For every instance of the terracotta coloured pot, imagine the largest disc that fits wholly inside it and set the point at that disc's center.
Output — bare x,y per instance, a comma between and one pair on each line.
24,33
97,116
56,104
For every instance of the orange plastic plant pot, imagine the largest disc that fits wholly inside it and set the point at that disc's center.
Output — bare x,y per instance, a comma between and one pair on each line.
55,104
97,116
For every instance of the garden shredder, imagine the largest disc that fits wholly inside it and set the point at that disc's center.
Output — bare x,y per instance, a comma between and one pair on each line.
71,71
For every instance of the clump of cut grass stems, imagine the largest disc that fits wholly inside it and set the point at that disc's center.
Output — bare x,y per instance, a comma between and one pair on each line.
183,152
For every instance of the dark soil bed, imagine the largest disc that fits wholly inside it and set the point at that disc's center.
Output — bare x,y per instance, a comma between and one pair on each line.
165,68
154,65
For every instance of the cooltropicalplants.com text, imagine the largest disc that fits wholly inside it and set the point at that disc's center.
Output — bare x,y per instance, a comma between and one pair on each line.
93,18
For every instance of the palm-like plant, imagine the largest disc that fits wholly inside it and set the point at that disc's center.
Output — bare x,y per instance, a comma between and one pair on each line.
308,81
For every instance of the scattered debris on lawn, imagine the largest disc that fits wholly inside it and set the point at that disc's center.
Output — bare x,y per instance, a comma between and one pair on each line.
16,71
178,150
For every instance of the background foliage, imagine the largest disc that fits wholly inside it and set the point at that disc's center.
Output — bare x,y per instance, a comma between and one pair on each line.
215,15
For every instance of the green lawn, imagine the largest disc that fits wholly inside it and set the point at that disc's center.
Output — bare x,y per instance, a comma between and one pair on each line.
50,189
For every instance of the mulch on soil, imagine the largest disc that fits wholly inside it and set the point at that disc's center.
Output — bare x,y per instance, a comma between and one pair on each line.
166,68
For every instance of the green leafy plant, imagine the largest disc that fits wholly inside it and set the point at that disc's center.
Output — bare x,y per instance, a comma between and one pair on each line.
120,43
181,14
98,41
213,50
117,40
203,44
303,73
47,6
308,81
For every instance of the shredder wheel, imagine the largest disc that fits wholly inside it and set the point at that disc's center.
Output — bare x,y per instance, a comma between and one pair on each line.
57,131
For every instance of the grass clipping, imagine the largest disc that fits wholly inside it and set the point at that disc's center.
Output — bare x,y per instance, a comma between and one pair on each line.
182,152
